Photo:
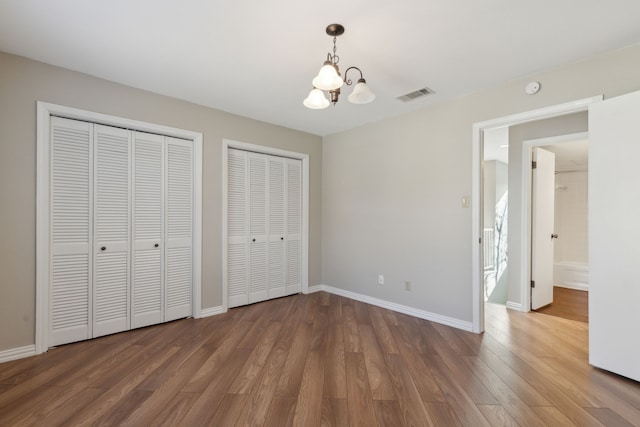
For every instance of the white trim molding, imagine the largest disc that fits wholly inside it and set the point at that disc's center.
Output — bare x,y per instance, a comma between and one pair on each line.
477,149
17,353
316,288
514,306
212,311
263,149
399,308
44,113
574,286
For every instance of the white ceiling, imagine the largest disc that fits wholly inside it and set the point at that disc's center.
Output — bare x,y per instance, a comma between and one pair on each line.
257,58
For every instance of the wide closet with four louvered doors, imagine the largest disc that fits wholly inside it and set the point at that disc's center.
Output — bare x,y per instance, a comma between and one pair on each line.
264,225
121,209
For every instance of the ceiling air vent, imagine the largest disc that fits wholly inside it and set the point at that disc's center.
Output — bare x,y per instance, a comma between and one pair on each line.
415,94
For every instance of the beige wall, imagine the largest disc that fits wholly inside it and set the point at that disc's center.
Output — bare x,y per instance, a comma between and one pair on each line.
571,217
392,190
23,82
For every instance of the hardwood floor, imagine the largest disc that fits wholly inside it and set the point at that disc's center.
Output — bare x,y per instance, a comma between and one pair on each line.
569,304
322,360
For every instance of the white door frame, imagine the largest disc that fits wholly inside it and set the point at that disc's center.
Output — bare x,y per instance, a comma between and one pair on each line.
44,112
476,191
263,149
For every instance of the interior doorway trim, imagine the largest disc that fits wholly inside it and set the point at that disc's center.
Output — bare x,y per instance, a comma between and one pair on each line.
263,149
43,151
476,190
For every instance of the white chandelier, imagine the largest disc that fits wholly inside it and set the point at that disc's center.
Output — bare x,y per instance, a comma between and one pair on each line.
328,79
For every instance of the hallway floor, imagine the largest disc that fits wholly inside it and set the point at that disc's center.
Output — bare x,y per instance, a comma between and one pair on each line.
569,304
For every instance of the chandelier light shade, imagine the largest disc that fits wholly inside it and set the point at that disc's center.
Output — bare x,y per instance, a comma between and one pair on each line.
316,100
329,79
361,94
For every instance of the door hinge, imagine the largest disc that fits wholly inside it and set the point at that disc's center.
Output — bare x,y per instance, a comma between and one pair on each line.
533,283
534,164
480,240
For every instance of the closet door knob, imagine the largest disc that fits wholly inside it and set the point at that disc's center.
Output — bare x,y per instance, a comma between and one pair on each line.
156,245
104,248
282,238
254,240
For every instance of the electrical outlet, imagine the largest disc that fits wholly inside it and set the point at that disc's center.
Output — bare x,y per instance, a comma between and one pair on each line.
407,285
380,279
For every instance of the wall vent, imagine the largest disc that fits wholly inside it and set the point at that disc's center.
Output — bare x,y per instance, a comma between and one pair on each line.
415,94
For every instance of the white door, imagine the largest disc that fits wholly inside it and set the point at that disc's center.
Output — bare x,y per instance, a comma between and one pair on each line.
257,227
277,226
71,216
147,282
264,227
179,227
121,209
542,230
294,226
111,230
614,233
237,228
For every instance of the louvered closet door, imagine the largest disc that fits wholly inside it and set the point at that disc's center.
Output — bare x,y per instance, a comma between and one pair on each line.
111,230
276,257
258,274
294,226
71,224
147,284
237,228
179,225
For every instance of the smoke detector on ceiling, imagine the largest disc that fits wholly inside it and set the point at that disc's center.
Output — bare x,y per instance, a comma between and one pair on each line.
532,88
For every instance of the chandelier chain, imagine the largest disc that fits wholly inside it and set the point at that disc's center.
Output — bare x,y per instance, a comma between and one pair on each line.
335,58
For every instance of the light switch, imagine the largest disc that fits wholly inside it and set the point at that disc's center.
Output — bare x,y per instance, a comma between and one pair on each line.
466,201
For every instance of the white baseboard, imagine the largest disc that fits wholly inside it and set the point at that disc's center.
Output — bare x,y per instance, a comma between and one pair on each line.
212,311
315,288
17,353
576,286
516,306
437,318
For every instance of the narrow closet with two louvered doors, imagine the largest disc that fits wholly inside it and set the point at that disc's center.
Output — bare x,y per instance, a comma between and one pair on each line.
120,230
264,226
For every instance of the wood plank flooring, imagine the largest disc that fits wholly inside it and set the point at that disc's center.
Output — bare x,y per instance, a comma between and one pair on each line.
569,304
322,360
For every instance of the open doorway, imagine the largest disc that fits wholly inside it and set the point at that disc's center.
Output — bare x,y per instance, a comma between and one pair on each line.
495,231
518,289
567,266
559,268
536,242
